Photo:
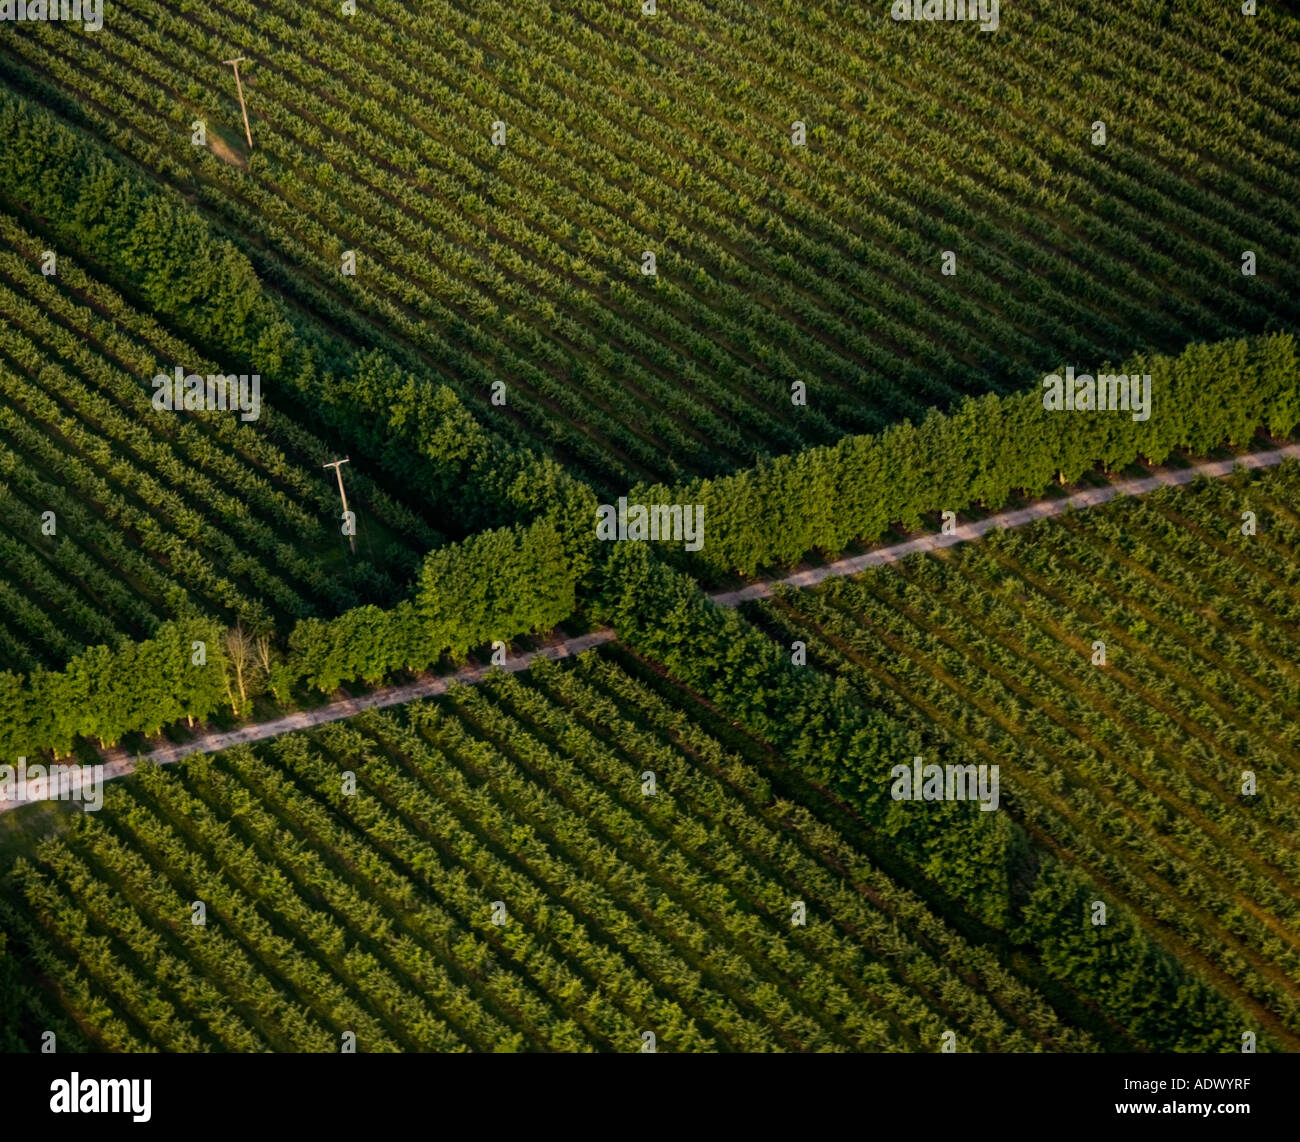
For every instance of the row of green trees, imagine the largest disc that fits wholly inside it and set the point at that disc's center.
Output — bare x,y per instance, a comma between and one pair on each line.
527,578
820,726
163,252
1099,272
496,585
493,586
109,691
985,451
519,576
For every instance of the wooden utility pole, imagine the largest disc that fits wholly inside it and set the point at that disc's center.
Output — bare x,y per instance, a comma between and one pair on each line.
338,471
240,87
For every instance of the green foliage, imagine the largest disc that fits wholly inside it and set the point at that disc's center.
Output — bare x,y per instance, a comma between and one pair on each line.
1118,967
371,912
521,577
110,691
821,725
815,276
1131,771
983,452
816,264
496,585
161,248
815,722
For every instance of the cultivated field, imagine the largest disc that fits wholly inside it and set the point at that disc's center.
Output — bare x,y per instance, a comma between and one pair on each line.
625,911
793,270
776,263
1132,771
155,516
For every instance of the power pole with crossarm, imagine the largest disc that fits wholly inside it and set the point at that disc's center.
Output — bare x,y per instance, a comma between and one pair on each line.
240,87
338,471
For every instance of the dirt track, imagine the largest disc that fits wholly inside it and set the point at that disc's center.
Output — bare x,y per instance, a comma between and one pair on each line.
1039,510
118,764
